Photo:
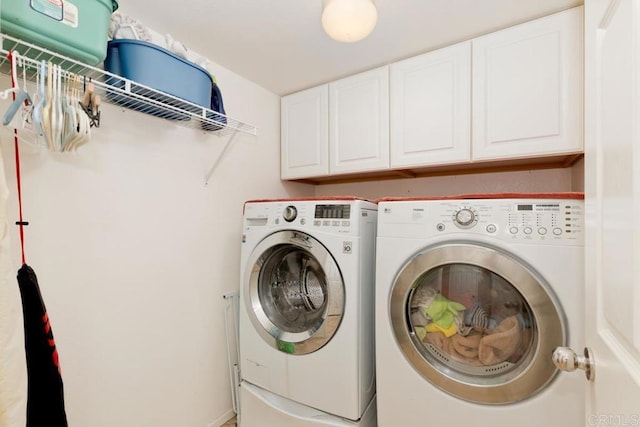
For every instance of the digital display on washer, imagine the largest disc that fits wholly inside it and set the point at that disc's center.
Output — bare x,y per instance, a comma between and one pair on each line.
538,207
333,211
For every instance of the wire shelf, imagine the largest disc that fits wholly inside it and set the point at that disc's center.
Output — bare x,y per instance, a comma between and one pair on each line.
118,90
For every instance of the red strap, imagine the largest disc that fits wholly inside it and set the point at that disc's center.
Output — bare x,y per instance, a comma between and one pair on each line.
21,223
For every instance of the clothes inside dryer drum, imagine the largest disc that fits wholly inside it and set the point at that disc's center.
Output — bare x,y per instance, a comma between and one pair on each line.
471,323
292,289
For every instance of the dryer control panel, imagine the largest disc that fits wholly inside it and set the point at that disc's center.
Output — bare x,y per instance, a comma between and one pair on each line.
545,218
541,220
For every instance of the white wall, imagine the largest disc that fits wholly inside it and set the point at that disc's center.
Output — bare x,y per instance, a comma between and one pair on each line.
547,180
133,254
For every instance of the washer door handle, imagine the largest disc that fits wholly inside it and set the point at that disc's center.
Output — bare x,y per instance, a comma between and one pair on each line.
301,240
567,360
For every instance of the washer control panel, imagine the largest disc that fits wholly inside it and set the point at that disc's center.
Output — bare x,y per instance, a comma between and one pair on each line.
332,216
336,216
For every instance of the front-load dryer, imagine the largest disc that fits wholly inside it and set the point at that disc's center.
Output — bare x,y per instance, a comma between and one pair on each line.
472,298
306,313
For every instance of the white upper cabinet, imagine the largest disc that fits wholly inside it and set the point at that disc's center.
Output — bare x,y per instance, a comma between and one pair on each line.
527,89
359,122
515,94
304,150
431,108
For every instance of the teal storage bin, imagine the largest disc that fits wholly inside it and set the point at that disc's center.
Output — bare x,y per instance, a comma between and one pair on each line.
77,28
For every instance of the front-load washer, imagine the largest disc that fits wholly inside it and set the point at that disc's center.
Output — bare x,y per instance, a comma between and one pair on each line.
472,298
307,353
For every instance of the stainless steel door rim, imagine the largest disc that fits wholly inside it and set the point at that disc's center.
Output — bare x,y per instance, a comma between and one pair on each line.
294,292
535,370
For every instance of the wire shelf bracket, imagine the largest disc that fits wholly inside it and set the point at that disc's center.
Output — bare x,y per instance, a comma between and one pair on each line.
217,162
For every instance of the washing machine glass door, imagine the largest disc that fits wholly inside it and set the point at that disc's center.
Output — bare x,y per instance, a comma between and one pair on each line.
477,323
295,292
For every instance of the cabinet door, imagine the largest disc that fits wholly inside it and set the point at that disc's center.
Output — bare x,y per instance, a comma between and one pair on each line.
527,89
304,148
359,122
431,108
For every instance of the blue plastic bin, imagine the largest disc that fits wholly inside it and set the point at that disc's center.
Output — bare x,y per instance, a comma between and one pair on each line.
151,65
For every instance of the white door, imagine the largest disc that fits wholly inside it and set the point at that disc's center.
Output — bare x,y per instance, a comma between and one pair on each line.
304,141
431,108
527,89
612,181
359,122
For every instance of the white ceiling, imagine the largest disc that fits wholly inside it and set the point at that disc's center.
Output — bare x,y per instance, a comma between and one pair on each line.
280,44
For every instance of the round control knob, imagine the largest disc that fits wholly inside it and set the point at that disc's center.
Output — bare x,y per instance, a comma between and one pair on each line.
465,217
290,213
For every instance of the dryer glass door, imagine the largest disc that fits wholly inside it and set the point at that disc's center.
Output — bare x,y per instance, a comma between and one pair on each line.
296,292
477,323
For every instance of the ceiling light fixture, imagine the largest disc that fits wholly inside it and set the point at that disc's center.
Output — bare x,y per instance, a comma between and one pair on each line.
349,21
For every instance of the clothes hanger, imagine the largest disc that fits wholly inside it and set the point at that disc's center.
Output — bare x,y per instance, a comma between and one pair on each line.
83,132
70,121
5,93
58,117
46,109
38,107
22,96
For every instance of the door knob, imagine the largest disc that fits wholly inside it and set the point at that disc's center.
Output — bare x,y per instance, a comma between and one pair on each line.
567,360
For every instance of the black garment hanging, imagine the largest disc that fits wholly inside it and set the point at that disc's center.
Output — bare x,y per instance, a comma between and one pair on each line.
45,404
45,394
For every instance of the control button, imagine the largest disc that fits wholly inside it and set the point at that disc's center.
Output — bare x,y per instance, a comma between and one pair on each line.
335,223
303,221
440,227
345,223
317,222
542,231
557,231
527,230
277,221
491,228
513,230
290,213
326,222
